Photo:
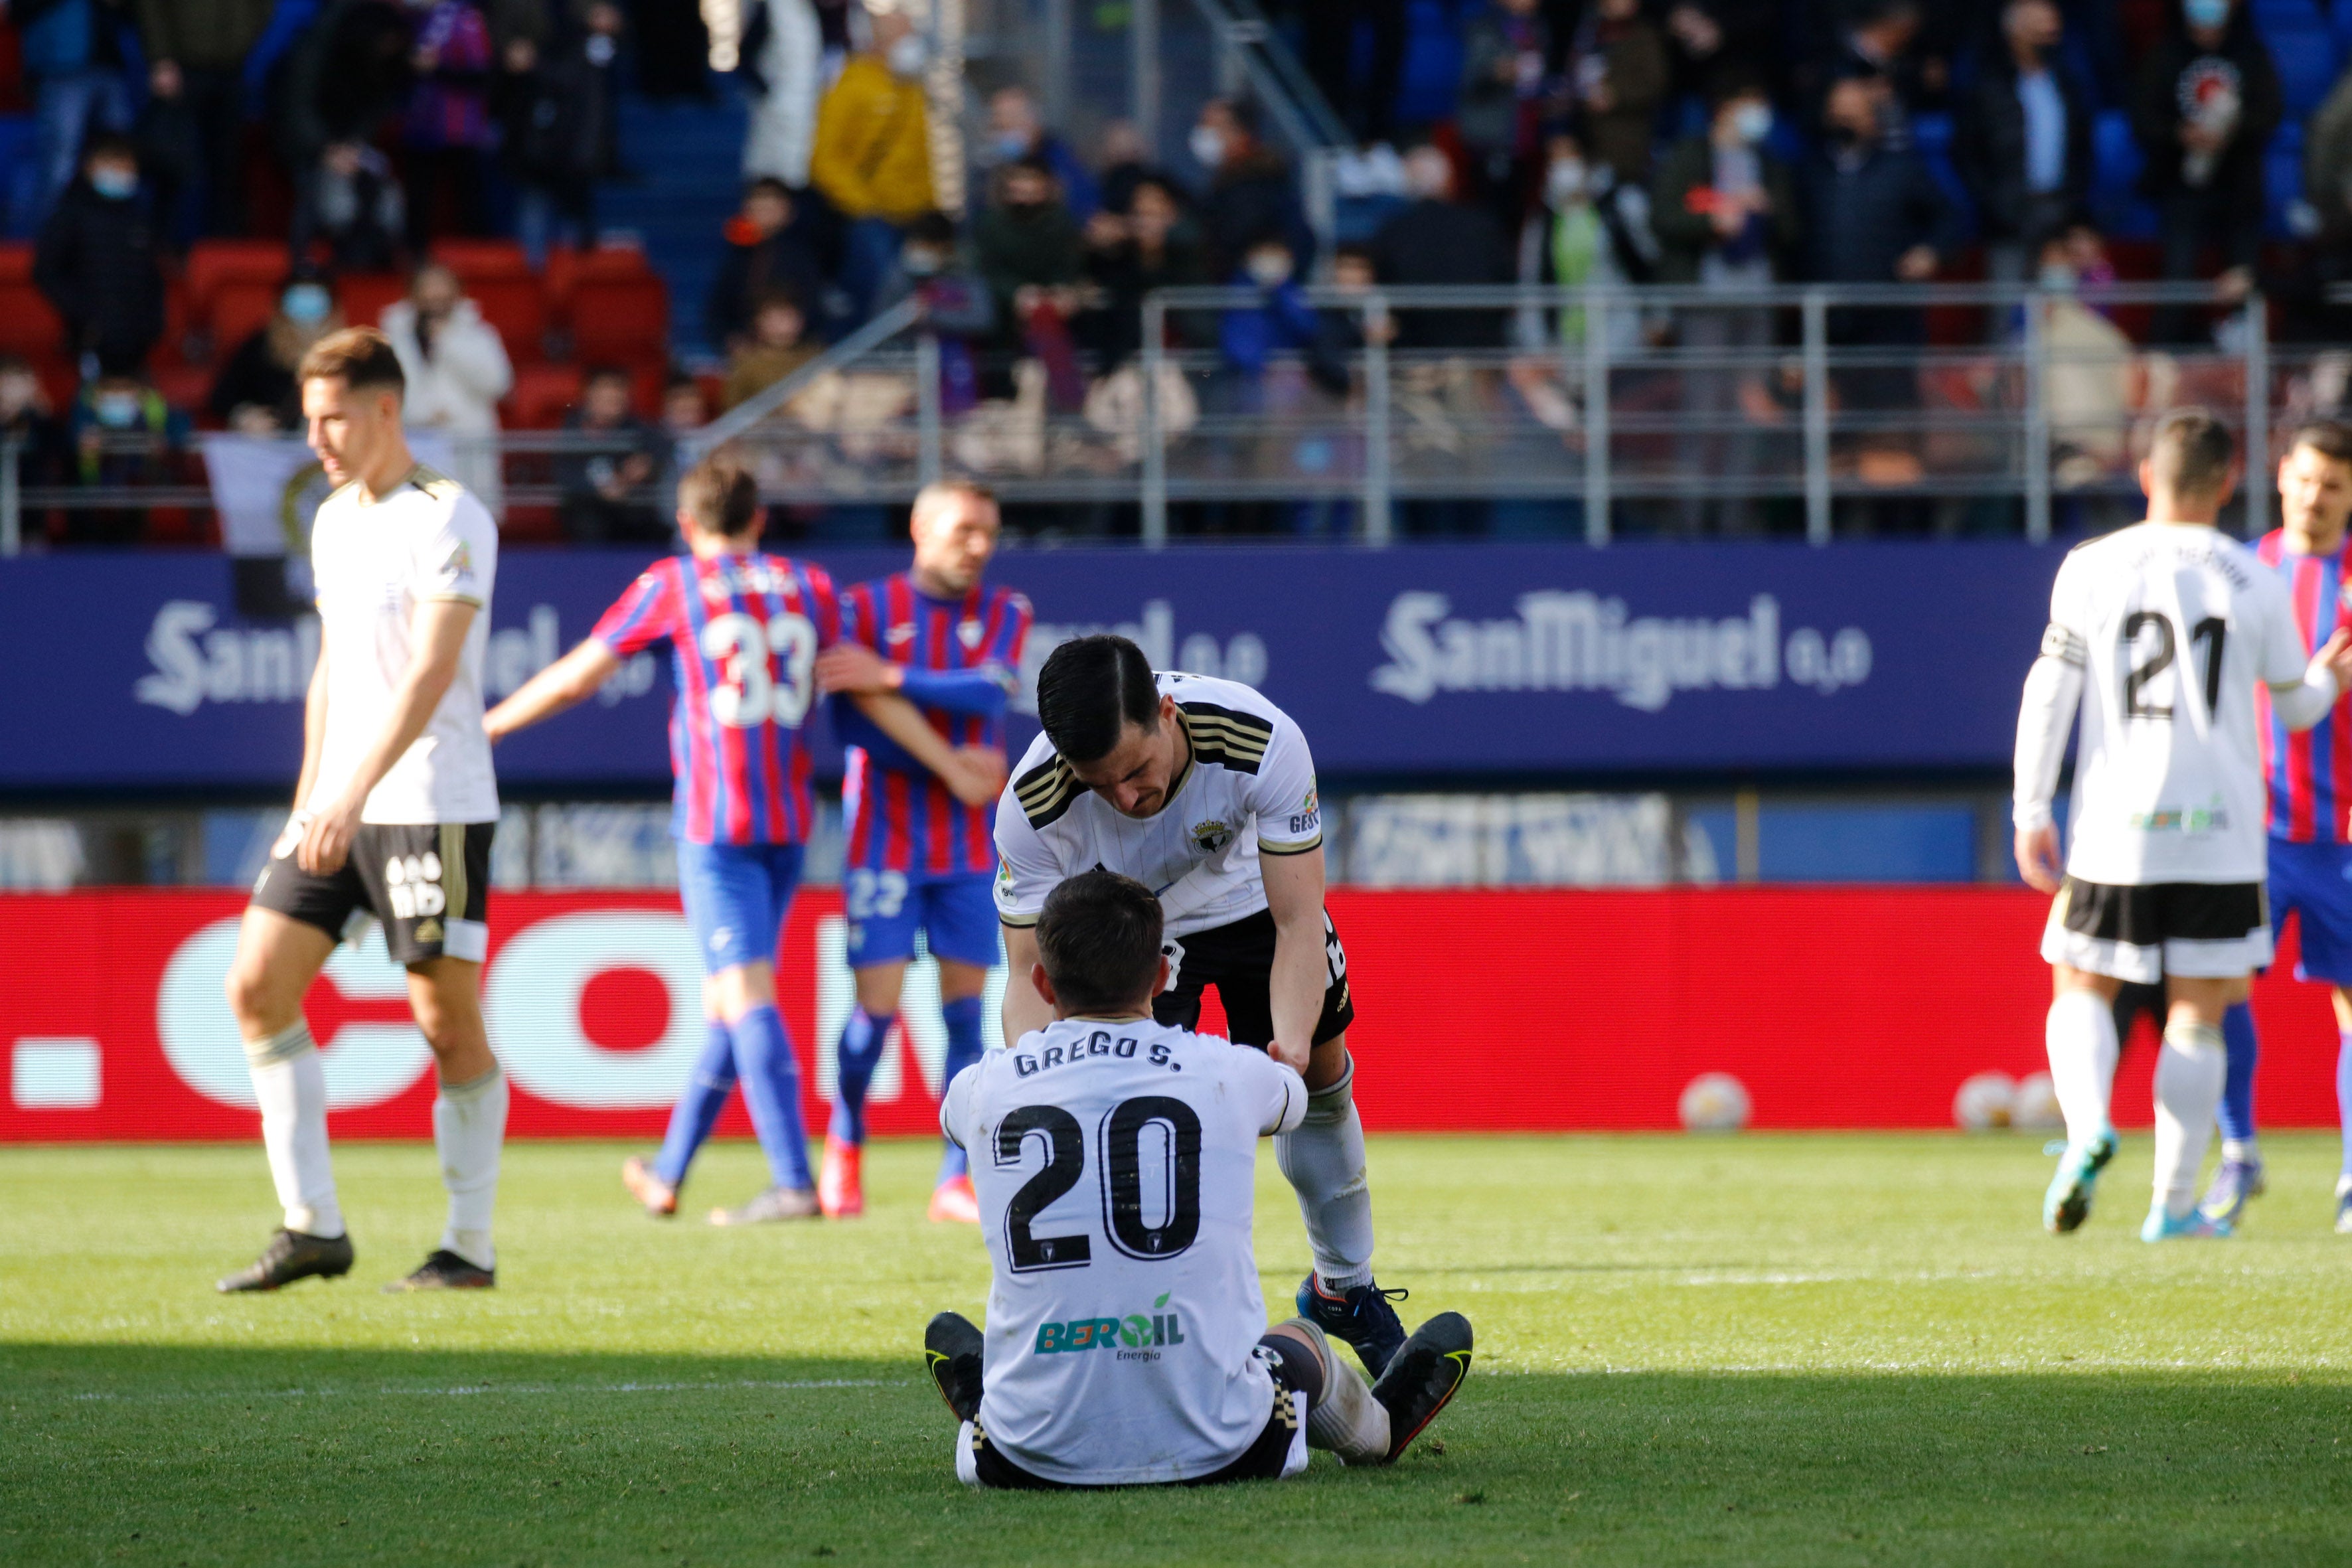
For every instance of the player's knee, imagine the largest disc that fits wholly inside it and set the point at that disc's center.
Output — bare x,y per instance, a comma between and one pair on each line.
253,998
740,987
879,985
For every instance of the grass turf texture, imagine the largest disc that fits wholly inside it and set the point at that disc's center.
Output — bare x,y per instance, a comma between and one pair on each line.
1838,1349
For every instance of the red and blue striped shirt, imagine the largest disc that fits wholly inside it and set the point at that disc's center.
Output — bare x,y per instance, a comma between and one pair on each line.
744,631
962,659
2308,774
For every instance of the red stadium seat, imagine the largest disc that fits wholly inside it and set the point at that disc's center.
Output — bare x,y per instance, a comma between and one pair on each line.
475,260
540,395
566,267
517,308
27,325
182,385
625,319
239,306
213,262
16,262
363,296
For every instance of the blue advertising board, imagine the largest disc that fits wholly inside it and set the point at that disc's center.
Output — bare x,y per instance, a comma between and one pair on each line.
137,671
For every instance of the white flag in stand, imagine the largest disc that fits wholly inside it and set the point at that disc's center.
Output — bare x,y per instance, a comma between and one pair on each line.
267,488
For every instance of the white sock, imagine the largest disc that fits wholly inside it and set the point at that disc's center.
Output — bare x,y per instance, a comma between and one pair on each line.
470,1127
1324,1163
291,1086
2190,1070
2080,1034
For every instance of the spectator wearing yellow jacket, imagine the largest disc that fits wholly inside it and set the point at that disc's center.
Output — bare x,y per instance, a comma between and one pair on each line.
872,158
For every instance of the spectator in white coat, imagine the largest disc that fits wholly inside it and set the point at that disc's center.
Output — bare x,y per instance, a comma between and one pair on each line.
783,69
457,370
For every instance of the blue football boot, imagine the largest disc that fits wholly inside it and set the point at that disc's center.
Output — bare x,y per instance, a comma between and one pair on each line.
2067,1204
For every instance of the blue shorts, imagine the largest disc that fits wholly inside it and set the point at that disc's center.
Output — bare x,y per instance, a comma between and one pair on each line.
956,913
737,895
2315,882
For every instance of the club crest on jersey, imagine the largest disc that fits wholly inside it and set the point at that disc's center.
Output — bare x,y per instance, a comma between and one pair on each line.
460,564
969,633
900,634
1212,836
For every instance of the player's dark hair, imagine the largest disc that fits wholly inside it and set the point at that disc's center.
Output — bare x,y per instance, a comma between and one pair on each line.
720,495
2191,452
1089,689
356,356
1098,938
2331,438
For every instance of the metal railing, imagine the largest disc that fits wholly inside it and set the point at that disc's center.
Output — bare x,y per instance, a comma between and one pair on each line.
1544,412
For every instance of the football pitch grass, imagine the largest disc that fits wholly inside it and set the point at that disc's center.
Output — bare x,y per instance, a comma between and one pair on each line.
1766,1349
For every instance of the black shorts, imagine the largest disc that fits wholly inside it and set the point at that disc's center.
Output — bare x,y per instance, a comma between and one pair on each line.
428,883
1264,1460
2199,930
1238,960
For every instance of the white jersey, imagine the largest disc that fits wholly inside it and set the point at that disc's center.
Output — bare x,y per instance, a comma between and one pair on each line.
1248,790
1116,1168
373,564
2172,625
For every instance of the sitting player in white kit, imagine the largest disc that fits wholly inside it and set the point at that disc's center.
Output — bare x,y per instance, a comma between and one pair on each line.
1115,1163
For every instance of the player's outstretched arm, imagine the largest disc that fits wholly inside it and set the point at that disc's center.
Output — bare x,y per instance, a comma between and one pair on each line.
437,635
2303,703
974,774
571,679
1294,897
1025,1008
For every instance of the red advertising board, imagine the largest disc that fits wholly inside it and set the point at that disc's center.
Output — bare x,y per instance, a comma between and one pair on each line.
1834,1007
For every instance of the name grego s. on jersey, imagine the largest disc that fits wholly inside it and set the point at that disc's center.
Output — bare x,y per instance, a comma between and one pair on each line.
1115,1164
1248,790
2173,627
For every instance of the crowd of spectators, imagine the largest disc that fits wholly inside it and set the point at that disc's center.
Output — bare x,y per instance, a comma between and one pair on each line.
1716,144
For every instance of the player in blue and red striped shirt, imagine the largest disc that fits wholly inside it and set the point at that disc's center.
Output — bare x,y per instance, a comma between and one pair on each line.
744,629
921,850
2309,775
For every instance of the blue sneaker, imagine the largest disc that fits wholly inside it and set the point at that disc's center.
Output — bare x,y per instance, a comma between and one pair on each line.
1361,1316
2194,1225
2067,1204
2234,1184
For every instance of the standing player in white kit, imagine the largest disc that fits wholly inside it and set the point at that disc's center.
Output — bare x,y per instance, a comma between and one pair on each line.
2160,632
393,818
1114,1159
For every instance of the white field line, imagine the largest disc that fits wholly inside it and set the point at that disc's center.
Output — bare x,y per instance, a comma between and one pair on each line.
470,1390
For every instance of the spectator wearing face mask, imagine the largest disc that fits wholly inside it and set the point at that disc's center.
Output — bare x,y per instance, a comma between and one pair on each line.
256,391
872,158
1031,253
1435,239
2023,142
774,241
97,258
954,303
122,434
354,203
1016,132
2207,105
457,369
1725,212
1591,232
74,67
1250,192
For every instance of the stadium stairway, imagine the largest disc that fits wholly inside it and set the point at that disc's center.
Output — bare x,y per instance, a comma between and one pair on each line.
687,160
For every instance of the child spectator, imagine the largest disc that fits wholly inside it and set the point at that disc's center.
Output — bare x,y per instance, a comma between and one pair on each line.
776,350
122,434
256,391
457,369
604,474
773,243
97,258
